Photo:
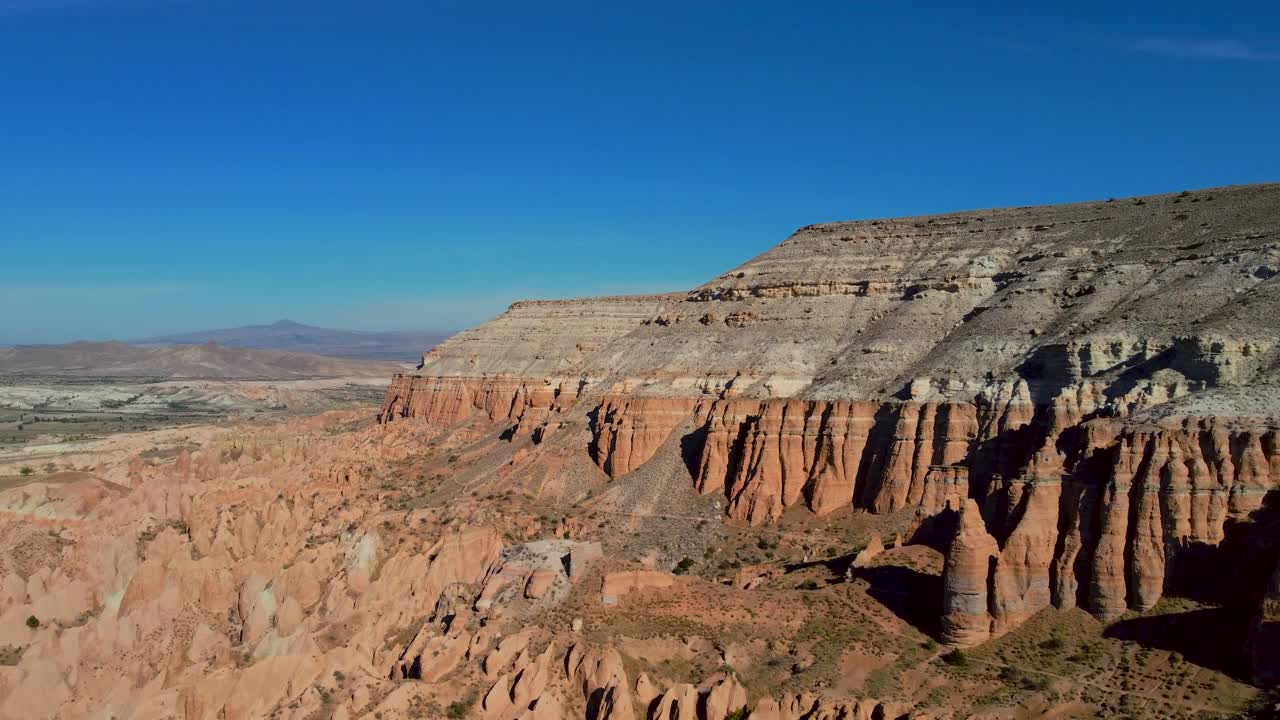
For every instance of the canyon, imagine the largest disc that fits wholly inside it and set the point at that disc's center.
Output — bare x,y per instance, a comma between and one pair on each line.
994,464
1100,379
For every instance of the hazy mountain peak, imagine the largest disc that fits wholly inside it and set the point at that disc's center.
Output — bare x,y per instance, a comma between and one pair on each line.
285,334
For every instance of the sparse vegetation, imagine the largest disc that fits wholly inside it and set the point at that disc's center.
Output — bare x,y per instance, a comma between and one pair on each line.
10,655
1053,644
33,622
26,469
461,708
1024,680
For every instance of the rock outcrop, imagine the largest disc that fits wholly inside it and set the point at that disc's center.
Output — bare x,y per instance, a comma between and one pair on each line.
603,681
1102,378
967,581
630,429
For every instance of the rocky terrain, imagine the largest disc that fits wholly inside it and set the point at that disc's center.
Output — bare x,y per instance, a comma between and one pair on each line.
56,398
998,464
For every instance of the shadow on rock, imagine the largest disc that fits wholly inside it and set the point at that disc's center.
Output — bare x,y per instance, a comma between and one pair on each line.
912,595
1210,638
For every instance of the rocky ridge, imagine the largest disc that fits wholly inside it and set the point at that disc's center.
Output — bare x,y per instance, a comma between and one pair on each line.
1101,379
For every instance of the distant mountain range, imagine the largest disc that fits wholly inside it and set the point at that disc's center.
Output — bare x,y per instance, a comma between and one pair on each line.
397,346
204,361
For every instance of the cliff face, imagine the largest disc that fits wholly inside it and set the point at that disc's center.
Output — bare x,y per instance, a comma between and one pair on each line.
447,400
628,430
1139,516
1102,380
768,455
537,338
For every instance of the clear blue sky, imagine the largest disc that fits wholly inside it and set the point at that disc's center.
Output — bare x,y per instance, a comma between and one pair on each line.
178,165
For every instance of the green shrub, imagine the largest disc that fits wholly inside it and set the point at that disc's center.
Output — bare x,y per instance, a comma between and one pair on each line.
461,708
26,470
1022,679
683,566
33,622
739,714
956,658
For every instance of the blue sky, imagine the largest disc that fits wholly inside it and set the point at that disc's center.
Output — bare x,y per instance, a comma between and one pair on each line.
178,165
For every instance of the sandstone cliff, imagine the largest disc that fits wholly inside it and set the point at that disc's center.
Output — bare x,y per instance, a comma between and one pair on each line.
1102,378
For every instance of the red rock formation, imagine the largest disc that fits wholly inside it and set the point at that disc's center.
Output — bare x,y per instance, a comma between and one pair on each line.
966,580
777,451
1111,543
447,400
679,702
628,429
769,455
1022,570
724,694
843,437
945,488
603,680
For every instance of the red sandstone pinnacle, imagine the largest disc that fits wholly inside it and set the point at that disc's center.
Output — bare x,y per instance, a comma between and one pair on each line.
1022,570
601,676
966,577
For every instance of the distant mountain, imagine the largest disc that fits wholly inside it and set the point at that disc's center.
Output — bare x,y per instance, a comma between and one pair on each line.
295,337
206,361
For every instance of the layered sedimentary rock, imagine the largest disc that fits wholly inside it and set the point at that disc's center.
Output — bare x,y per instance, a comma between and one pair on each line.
768,455
540,338
1144,502
1022,570
447,400
629,429
517,367
967,580
1102,378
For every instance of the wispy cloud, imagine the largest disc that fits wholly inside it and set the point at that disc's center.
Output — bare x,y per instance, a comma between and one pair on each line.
1205,49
